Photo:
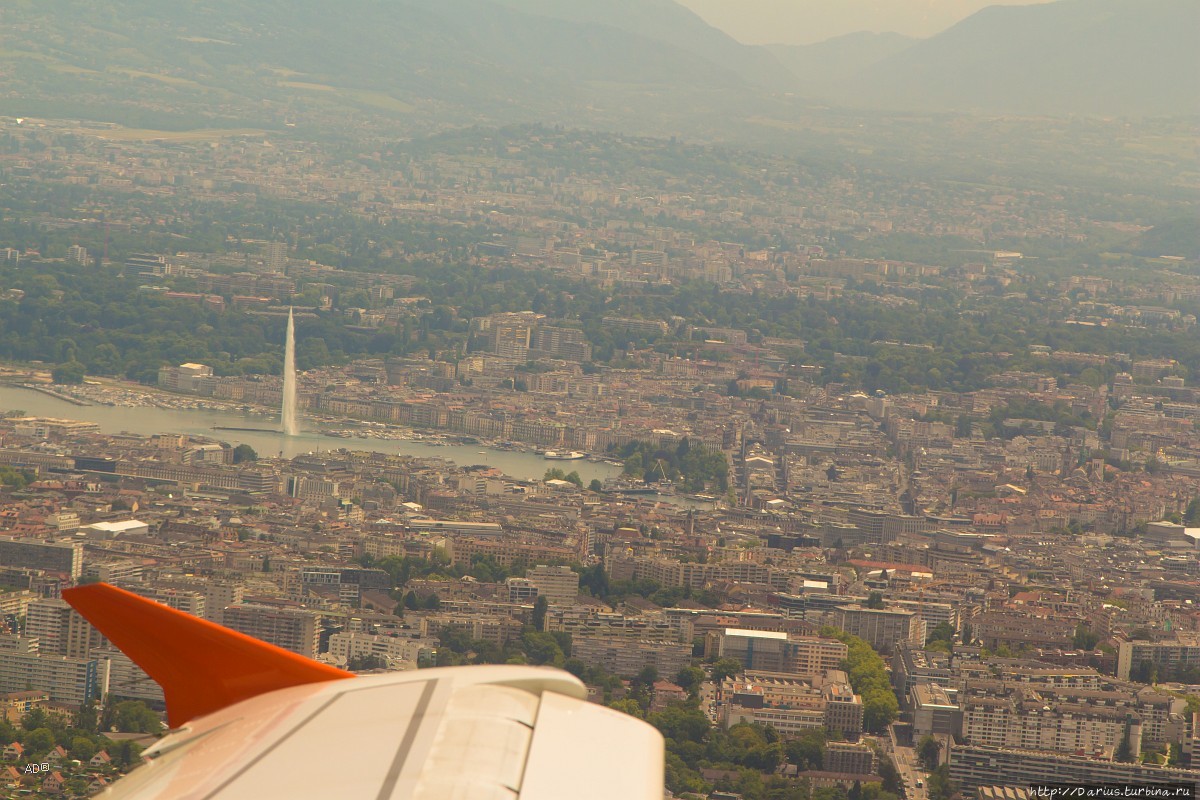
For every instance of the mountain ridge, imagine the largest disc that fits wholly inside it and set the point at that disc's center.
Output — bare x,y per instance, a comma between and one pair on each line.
1104,57
637,65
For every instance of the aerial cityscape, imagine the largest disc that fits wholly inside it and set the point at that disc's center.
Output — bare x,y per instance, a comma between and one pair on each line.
819,413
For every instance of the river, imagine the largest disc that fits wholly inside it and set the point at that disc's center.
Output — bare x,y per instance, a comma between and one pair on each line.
148,420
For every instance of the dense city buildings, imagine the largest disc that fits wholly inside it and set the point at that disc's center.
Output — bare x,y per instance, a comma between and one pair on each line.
804,463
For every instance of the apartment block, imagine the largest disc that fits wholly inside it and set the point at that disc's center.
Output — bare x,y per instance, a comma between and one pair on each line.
628,657
882,628
770,651
38,554
73,681
1166,658
556,584
60,629
292,629
973,766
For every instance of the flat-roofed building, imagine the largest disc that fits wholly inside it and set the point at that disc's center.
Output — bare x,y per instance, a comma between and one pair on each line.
935,712
882,628
125,678
399,652
774,651
60,629
848,757
557,584
15,705
787,721
843,708
292,629
16,604
112,530
1017,720
184,378
912,665
972,766
1137,660
188,601
521,590
39,554
627,657
72,681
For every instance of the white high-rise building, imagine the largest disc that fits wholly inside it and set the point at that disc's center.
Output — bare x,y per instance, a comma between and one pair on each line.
557,584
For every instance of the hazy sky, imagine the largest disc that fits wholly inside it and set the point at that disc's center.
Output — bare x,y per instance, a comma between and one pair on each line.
807,21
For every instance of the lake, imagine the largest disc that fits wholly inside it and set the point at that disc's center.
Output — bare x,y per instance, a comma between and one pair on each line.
149,420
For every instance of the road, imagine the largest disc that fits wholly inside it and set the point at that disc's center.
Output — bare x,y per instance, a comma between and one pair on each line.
909,767
911,773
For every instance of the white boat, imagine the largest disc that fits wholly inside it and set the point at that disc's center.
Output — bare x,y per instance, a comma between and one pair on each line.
554,455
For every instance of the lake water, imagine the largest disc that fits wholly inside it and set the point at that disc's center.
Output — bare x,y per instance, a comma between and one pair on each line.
148,420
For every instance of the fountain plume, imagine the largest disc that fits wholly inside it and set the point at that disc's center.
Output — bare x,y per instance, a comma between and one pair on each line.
288,415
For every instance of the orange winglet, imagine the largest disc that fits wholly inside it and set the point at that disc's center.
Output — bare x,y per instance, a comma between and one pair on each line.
201,666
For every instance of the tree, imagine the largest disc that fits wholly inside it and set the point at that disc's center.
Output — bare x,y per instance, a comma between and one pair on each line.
87,719
1085,638
962,427
892,781
929,751
595,485
540,607
134,716
726,668
690,679
542,648
869,677
875,600
82,748
1191,516
1125,748
940,787
628,706
595,580
38,741
34,719
682,722
647,676
367,662
125,753
70,373
806,751
243,453
942,632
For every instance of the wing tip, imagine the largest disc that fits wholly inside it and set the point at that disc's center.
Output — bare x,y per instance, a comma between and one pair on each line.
201,666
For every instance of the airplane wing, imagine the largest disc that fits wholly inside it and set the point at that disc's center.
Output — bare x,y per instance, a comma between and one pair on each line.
253,721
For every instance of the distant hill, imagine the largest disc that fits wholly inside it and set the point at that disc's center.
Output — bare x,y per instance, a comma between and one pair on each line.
267,62
1178,237
650,66
668,22
823,67
1105,57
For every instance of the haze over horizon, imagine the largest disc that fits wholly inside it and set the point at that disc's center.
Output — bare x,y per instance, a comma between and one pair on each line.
810,21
